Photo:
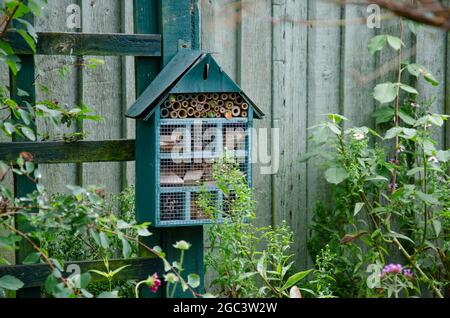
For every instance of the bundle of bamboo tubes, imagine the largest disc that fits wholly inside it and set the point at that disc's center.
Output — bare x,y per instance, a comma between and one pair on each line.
210,105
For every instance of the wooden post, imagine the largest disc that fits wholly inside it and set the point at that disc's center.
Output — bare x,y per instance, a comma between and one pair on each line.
24,80
178,22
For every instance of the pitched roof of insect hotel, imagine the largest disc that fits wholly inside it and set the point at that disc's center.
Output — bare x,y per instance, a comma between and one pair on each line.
188,72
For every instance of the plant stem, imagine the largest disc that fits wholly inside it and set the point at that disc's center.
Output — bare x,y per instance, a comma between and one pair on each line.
8,22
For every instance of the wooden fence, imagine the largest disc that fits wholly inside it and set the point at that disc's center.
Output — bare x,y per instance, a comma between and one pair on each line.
295,58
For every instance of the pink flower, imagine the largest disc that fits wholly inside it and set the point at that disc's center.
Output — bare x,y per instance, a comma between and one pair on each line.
391,269
408,274
153,282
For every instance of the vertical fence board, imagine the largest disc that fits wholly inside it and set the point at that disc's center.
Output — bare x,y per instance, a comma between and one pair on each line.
64,90
323,78
102,91
289,94
255,71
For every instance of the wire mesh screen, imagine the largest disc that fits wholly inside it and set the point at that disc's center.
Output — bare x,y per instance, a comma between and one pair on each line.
189,144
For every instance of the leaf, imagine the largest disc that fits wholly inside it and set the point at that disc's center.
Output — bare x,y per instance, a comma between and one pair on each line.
414,171
409,89
104,240
118,270
50,284
377,43
383,115
336,175
358,208
400,236
9,128
261,266
99,273
437,225
295,292
406,118
194,280
395,42
32,258
28,132
144,232
427,198
82,281
294,279
113,294
30,41
443,156
10,283
393,132
126,248
385,92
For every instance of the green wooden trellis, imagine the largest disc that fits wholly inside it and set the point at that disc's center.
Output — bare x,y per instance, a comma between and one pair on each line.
177,22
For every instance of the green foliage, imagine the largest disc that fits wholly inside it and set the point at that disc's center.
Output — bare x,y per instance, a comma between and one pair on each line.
246,260
390,193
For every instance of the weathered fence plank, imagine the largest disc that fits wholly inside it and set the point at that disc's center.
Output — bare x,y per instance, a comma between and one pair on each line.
102,91
289,108
77,152
81,44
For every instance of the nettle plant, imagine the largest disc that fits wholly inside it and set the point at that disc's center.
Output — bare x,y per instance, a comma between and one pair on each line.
84,212
391,190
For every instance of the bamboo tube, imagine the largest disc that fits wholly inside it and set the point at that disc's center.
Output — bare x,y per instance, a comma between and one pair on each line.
193,103
182,113
207,107
244,114
218,115
236,110
244,106
222,110
164,113
173,114
199,107
197,114
190,111
167,104
239,100
215,96
229,105
211,114
176,106
232,96
220,103
201,98
217,109
224,97
209,96
212,104
181,98
172,98
185,104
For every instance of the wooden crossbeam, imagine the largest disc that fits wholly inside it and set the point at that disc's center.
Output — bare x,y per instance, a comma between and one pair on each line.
97,44
78,152
35,275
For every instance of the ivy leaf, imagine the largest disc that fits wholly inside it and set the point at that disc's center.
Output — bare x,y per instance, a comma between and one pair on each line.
10,283
385,92
377,43
336,175
395,42
194,280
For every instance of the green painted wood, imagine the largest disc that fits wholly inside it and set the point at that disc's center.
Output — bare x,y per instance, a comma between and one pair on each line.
289,111
35,275
78,152
81,44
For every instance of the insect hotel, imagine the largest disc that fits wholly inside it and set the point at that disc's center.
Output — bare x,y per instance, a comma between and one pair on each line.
187,117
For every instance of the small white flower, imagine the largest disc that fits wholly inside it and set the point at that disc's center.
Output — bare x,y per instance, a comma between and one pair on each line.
358,136
401,149
433,159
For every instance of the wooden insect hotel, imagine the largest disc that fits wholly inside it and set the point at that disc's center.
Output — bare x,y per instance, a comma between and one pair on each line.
186,119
